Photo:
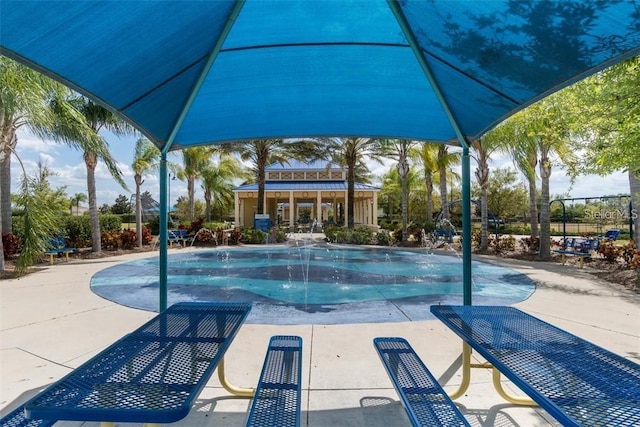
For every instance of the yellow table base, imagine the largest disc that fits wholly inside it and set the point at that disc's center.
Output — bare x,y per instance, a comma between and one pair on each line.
497,384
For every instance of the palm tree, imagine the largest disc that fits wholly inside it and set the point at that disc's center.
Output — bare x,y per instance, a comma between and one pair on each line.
80,127
263,152
193,161
217,183
399,149
535,134
75,200
146,159
483,150
511,137
445,161
425,155
24,102
352,153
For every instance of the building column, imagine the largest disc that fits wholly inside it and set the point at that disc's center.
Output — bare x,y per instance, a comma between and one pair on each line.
319,207
374,207
291,212
236,210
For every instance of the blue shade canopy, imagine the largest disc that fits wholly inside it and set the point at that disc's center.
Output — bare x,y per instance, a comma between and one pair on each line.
199,72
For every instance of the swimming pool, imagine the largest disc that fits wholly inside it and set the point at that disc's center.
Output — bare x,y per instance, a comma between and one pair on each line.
313,284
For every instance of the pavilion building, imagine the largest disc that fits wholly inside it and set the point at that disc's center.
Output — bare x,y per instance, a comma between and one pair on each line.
297,193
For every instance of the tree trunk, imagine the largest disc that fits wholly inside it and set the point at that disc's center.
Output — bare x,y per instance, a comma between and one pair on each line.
207,209
442,170
533,208
8,143
403,172
96,242
634,187
545,212
482,175
261,183
351,179
428,182
139,181
484,219
191,191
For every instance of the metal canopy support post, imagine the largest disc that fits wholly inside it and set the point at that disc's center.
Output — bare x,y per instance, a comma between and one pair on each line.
163,159
164,232
466,168
466,225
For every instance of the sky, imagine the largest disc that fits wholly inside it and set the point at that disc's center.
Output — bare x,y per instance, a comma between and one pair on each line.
69,166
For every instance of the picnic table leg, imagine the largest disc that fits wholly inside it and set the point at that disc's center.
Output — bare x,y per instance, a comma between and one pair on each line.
516,400
466,372
242,392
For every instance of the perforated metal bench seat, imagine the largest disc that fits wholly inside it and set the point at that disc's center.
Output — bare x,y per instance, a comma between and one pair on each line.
278,395
152,375
16,418
423,398
576,382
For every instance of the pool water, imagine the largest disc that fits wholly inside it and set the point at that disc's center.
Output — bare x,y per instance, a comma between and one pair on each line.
314,284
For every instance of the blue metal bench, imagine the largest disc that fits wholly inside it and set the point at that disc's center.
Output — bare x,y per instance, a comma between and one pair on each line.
17,418
423,398
180,236
152,375
612,234
581,248
58,246
278,395
576,382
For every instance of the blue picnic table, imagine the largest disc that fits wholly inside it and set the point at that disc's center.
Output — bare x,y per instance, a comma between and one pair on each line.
152,375
575,381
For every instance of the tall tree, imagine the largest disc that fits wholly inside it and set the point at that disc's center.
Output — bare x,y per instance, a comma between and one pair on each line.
546,129
608,104
146,159
263,152
194,160
75,200
399,149
24,102
425,154
446,160
80,126
512,137
482,151
352,153
217,183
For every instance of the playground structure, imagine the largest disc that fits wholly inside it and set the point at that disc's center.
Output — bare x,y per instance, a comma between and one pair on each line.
602,217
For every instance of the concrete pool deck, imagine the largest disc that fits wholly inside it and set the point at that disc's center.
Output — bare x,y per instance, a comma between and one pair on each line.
51,322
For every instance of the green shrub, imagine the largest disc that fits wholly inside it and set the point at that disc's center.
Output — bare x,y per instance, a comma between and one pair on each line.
383,238
77,229
253,236
110,222
357,236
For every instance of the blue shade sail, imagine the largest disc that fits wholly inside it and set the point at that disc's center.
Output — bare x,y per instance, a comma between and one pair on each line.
316,68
